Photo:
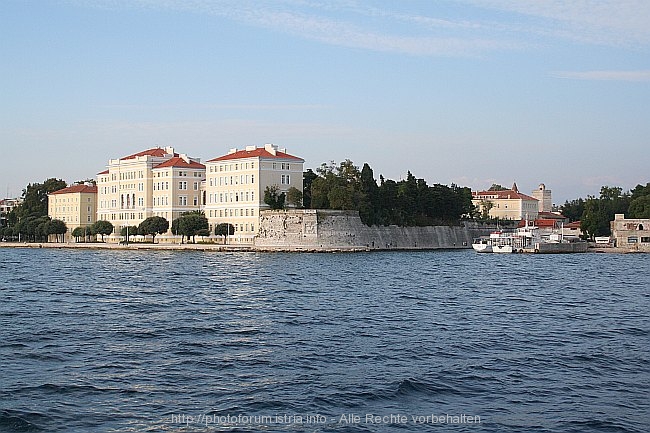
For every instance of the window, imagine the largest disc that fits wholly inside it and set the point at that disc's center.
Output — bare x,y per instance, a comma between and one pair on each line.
195,201
182,200
632,239
196,186
645,239
285,179
182,185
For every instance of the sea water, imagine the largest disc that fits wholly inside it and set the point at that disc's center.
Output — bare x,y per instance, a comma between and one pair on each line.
130,341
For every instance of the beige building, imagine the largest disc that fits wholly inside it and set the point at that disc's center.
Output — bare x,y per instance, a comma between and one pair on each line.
544,198
235,185
75,205
156,182
507,204
631,233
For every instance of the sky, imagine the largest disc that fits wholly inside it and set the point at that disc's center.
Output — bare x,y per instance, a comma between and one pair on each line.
467,92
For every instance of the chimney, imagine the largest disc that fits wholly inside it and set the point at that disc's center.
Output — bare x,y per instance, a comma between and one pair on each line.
233,150
271,148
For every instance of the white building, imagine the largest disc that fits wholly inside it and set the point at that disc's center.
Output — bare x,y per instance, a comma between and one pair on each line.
235,185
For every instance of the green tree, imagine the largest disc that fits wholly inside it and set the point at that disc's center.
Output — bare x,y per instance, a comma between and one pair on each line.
57,227
273,197
573,209
153,226
128,231
640,207
190,224
225,230
485,208
369,203
35,198
600,211
102,228
307,179
79,232
294,197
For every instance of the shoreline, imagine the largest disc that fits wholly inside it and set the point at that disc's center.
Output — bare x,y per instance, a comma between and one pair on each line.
249,248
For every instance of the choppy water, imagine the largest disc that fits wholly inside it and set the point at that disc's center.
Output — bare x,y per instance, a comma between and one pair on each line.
121,341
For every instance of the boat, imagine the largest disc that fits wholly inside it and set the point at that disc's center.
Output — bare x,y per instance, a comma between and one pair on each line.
482,244
495,242
528,239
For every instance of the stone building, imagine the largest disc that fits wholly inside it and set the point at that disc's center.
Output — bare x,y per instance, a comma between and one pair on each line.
544,198
631,233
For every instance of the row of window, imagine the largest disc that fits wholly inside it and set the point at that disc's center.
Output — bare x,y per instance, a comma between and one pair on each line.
62,209
233,212
179,174
76,219
232,180
232,167
64,200
635,239
232,197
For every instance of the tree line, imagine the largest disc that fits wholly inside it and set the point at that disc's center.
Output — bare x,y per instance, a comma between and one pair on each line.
408,202
596,213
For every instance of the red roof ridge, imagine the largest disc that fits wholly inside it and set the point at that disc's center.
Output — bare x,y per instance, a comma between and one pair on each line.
258,152
505,194
155,151
91,189
178,161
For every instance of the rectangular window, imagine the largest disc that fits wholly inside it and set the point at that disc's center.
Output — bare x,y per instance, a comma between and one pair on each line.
196,201
645,239
182,200
632,239
196,186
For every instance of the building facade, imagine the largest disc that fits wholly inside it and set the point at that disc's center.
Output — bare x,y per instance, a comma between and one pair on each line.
544,198
631,233
507,204
156,181
235,185
75,205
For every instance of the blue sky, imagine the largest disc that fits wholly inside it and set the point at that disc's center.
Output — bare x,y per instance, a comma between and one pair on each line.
469,92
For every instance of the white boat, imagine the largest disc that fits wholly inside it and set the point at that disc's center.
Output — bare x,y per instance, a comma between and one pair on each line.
482,244
527,239
490,244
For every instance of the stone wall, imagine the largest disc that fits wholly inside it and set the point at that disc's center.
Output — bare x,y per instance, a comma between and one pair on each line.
328,229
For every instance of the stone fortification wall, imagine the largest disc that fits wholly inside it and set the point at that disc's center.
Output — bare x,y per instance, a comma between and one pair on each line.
327,229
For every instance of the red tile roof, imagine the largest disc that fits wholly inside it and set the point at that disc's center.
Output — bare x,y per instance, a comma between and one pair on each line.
259,152
157,151
77,189
541,223
180,162
504,195
103,172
